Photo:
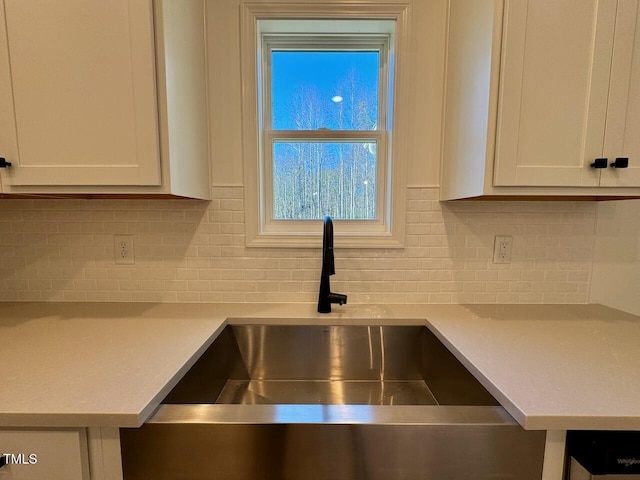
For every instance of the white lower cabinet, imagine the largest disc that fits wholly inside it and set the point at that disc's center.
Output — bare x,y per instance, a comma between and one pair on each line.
37,454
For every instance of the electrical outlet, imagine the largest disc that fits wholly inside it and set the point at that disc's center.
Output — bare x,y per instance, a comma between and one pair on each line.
502,249
123,249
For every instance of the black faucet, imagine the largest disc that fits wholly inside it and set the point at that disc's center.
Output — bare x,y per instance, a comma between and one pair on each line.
326,297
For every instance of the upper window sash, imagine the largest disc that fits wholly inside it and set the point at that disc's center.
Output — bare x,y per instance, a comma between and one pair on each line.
325,43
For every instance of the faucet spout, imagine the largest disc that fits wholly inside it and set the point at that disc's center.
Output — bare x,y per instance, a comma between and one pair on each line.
326,297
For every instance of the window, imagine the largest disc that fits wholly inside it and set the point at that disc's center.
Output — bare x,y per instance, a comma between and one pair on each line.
318,107
321,136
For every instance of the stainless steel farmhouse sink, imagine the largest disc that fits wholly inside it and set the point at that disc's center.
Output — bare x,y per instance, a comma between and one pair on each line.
330,402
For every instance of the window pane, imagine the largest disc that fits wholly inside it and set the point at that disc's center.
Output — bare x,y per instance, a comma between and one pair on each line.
337,90
314,179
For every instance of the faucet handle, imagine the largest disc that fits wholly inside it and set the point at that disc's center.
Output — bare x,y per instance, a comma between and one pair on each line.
338,298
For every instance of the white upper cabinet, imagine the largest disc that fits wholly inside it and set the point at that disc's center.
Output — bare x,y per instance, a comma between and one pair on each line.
622,135
556,59
553,86
84,92
85,105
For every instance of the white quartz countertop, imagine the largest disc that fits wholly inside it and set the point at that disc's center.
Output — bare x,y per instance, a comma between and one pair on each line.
107,364
573,367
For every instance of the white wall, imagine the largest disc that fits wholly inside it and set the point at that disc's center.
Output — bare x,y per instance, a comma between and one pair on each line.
616,264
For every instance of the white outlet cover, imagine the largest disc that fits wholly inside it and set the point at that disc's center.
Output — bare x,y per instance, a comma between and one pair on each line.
123,250
502,249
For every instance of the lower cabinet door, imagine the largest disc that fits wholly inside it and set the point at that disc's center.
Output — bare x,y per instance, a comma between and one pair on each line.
36,454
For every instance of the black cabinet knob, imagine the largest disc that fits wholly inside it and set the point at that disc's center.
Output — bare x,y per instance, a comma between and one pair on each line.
4,163
599,163
620,162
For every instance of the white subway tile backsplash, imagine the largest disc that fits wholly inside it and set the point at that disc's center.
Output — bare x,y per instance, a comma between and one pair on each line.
193,251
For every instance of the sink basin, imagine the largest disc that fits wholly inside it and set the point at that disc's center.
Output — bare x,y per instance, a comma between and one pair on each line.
335,365
330,402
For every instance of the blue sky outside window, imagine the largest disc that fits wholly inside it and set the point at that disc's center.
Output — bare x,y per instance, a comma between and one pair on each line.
337,90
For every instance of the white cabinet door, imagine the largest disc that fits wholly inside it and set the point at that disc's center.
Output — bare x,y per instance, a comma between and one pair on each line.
622,139
42,454
556,62
78,93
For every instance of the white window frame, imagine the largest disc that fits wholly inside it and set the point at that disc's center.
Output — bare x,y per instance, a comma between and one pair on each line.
268,26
